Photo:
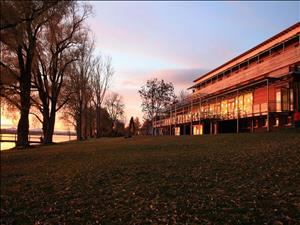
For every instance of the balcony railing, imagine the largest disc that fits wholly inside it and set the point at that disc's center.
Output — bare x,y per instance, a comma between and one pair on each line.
255,110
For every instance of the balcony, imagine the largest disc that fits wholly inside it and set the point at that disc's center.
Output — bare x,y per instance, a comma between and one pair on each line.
254,110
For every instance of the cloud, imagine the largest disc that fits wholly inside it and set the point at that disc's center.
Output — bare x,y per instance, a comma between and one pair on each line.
181,76
127,83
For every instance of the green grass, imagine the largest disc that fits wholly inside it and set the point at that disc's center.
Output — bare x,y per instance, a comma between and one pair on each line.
223,179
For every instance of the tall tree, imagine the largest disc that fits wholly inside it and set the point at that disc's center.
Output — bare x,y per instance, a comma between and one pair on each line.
146,127
79,86
59,47
101,77
183,94
115,107
131,127
137,125
21,24
156,95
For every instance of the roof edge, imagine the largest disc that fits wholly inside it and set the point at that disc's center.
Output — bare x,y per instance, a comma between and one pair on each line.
252,49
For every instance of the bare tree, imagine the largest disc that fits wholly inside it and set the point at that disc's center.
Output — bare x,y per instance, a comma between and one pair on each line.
21,24
79,85
183,94
115,107
156,95
131,127
59,48
137,125
102,75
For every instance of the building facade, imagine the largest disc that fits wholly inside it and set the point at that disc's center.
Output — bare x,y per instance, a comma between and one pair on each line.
256,91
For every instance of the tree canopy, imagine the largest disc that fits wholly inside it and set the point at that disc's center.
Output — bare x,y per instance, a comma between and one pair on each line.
156,95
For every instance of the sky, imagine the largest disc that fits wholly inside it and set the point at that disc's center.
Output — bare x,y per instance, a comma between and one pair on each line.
179,41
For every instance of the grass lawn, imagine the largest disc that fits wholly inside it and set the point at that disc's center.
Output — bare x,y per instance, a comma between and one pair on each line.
223,179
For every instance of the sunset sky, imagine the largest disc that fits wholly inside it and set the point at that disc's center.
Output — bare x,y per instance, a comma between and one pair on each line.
179,41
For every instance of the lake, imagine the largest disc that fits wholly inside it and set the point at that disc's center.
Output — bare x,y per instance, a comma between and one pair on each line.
9,145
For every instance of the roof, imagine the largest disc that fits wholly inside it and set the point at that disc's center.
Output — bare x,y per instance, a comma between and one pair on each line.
251,50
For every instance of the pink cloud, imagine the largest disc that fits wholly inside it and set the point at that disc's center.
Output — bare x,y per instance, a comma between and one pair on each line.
125,41
127,83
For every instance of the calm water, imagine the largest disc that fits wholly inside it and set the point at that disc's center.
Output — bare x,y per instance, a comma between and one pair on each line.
8,145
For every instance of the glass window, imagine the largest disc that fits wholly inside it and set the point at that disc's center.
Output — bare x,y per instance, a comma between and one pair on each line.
247,103
278,100
224,107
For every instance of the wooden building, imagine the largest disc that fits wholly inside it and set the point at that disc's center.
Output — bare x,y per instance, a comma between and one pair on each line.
256,91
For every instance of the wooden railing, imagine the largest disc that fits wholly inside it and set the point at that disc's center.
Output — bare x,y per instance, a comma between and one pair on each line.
13,138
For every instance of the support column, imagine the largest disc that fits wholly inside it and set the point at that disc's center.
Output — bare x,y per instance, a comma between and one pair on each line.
237,112
211,127
216,127
252,113
200,113
191,128
268,116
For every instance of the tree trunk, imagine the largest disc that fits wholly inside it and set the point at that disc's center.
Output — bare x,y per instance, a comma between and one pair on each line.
79,127
23,128
46,131
48,126
25,88
45,124
85,122
23,124
91,125
98,119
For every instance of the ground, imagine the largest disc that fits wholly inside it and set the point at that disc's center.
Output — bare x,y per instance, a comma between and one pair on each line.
222,179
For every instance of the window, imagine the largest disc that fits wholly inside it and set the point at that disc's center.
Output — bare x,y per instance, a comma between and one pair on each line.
278,100
284,99
224,107
177,131
248,103
291,99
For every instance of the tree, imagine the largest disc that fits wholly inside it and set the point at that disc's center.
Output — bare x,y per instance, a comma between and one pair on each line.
183,94
137,125
131,127
58,49
21,24
79,106
101,77
146,127
119,128
156,95
115,107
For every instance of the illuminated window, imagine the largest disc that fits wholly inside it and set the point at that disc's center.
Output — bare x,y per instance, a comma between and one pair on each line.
198,129
278,100
177,131
291,100
224,107
277,122
247,103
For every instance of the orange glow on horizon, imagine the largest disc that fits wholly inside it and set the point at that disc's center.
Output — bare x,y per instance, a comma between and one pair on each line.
7,122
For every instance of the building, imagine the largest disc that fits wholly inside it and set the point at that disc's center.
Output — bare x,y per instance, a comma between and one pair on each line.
256,91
